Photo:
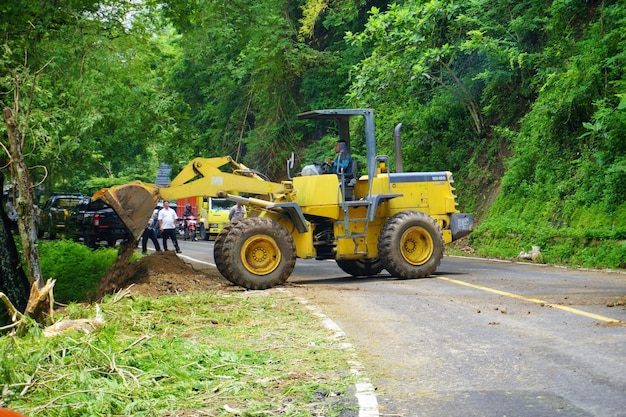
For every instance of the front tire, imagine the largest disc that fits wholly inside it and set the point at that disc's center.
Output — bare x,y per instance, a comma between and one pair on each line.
218,254
361,267
258,253
410,245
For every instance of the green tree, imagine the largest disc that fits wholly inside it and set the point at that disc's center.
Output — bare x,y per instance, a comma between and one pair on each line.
247,69
238,75
98,107
418,70
568,163
80,96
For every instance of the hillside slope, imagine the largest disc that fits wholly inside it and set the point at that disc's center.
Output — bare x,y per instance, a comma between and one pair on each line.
525,103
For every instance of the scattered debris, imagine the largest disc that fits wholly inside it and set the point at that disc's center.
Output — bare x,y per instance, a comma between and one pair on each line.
534,255
231,410
621,301
80,325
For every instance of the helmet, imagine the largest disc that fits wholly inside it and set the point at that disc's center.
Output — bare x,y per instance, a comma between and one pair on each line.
188,206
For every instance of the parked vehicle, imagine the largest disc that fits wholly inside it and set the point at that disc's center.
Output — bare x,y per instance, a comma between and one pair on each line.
213,216
96,221
54,213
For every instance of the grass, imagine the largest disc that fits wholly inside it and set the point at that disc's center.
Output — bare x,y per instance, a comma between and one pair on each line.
569,235
210,354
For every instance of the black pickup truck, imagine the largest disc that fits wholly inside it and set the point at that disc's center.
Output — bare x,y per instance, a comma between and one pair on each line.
54,215
95,221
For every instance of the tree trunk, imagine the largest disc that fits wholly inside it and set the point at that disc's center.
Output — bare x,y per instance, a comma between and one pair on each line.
463,94
25,201
13,281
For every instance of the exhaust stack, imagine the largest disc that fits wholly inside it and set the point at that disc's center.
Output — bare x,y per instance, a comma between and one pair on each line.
396,135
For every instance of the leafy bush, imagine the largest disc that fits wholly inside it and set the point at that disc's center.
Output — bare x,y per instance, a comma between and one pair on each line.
584,237
76,268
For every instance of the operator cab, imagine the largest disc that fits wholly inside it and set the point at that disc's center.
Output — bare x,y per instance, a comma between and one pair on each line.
341,120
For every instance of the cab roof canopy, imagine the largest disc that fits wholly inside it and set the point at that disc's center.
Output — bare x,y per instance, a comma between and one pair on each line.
342,117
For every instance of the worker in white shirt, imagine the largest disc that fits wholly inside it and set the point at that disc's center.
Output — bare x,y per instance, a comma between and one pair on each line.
167,225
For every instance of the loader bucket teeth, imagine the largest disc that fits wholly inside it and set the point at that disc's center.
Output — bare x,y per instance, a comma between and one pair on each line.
133,203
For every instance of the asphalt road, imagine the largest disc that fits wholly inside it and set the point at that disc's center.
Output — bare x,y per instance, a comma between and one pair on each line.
480,338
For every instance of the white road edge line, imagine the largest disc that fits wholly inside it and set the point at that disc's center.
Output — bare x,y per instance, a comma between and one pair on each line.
366,398
523,263
195,260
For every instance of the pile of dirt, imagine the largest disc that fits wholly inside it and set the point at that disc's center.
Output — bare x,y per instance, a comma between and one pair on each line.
164,273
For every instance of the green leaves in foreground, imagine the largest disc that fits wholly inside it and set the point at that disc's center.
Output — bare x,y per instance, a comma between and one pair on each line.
204,354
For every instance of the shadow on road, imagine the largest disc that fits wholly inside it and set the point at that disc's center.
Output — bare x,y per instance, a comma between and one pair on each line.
346,279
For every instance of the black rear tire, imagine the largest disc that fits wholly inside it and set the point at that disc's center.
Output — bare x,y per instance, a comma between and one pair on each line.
88,240
410,245
258,253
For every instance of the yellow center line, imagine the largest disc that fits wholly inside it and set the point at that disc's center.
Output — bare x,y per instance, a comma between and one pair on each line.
534,300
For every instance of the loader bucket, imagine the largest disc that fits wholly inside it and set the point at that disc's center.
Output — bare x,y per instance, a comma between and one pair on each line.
133,202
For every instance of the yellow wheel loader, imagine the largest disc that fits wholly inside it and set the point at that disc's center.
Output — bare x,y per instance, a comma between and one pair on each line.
394,221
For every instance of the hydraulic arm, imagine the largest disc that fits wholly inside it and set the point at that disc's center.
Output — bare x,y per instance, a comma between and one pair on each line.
208,177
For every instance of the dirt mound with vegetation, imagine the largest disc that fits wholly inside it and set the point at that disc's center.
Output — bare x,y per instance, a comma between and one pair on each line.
161,273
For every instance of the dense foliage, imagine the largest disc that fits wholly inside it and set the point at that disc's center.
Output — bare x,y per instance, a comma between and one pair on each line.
76,268
85,80
524,101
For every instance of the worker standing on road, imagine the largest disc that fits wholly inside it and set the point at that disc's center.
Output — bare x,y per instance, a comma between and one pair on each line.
237,212
167,225
150,233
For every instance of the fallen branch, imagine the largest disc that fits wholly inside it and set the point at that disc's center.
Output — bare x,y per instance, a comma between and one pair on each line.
13,312
80,325
69,394
39,300
122,294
